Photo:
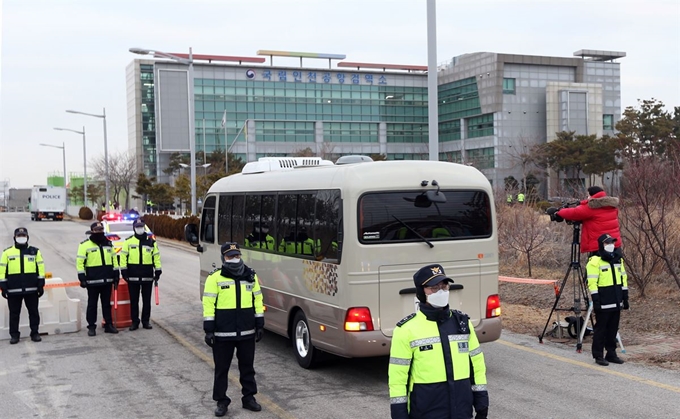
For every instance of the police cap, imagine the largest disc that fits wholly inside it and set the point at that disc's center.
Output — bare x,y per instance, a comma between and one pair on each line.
430,275
97,227
231,249
21,231
138,223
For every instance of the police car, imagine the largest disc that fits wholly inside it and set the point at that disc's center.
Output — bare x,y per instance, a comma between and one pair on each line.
118,227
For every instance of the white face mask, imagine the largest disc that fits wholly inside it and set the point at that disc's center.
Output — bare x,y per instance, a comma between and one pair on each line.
234,260
139,231
21,240
609,248
439,299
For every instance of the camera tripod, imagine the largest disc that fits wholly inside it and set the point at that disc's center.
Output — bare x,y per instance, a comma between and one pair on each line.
575,271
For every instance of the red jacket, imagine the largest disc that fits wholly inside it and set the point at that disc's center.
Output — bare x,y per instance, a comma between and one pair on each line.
599,215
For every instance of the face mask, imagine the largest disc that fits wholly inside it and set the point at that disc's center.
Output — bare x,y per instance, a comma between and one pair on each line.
609,248
439,299
21,240
139,231
234,260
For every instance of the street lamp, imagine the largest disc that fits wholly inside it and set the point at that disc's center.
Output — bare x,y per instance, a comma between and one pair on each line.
106,148
63,149
84,160
205,168
192,132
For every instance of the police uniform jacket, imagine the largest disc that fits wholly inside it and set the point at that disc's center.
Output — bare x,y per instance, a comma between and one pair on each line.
607,282
22,270
99,263
139,258
232,308
436,368
262,241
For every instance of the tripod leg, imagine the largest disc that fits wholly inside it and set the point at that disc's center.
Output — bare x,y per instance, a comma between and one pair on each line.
557,300
585,323
618,339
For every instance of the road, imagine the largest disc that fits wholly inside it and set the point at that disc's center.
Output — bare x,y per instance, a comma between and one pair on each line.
166,372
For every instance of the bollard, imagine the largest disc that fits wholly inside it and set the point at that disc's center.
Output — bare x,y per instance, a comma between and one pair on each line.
121,315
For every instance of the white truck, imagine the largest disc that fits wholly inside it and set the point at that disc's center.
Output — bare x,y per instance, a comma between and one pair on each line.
47,202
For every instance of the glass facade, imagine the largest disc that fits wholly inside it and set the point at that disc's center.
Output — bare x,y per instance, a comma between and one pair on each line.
480,126
148,120
287,112
457,100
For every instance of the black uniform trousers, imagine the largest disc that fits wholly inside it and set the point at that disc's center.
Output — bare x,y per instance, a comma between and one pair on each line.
147,288
14,303
606,328
223,352
102,292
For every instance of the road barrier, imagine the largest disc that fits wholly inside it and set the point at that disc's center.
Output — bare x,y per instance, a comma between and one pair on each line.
120,312
58,312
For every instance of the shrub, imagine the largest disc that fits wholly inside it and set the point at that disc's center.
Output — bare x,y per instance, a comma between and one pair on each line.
85,213
168,227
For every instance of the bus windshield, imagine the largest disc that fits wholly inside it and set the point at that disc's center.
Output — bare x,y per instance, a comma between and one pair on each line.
409,216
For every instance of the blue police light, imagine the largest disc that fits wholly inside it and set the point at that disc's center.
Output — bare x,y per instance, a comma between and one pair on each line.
130,216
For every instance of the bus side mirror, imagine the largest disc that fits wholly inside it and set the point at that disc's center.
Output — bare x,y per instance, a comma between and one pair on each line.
191,234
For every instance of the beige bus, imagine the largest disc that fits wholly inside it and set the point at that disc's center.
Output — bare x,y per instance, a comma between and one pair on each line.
336,245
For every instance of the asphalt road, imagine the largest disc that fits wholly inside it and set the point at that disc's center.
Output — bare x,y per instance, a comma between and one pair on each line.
167,373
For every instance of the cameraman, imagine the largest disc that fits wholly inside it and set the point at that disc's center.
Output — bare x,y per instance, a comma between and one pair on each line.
599,215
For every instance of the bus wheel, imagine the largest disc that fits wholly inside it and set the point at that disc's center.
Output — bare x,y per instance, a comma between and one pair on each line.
307,355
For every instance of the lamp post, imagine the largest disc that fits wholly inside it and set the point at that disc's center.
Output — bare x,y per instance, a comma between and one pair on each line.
63,149
106,147
84,160
192,132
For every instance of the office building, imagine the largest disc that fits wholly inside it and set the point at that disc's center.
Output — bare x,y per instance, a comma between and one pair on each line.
489,106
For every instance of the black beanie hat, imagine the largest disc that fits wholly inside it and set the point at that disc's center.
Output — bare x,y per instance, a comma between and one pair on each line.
594,189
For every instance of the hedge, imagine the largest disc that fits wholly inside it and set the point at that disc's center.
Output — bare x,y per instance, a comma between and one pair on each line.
168,227
85,213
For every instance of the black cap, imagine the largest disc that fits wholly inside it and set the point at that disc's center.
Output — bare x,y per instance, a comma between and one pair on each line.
21,231
606,238
97,227
231,249
594,189
138,223
430,275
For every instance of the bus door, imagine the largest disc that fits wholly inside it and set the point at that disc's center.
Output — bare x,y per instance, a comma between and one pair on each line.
210,247
398,293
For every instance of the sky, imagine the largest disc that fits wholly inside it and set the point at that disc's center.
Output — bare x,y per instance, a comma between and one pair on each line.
71,54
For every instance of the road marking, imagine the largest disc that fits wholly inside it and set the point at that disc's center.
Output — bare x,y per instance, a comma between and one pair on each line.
234,380
591,366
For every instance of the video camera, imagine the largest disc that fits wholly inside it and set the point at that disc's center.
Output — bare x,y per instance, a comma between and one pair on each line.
552,212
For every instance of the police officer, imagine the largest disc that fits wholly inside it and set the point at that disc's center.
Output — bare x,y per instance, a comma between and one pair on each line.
22,278
608,285
97,266
233,319
140,266
437,368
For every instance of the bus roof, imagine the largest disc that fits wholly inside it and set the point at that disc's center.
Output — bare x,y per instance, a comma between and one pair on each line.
380,175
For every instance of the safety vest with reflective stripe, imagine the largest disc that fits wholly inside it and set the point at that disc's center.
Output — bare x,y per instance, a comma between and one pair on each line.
268,242
22,270
436,369
140,258
98,263
608,281
232,309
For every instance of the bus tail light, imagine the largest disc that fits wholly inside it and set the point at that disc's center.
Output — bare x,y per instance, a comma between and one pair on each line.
493,306
358,319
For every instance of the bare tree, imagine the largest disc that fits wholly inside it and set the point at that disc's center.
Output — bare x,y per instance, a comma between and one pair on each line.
122,173
651,207
526,230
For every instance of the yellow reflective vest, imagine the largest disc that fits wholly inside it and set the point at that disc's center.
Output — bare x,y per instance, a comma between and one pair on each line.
139,258
607,282
22,270
436,368
232,308
99,263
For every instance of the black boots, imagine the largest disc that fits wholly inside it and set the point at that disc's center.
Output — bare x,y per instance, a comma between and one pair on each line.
147,326
251,404
14,340
614,359
35,337
91,332
601,361
221,410
134,327
109,328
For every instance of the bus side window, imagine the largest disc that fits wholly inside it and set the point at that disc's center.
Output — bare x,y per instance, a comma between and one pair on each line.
224,219
285,226
328,225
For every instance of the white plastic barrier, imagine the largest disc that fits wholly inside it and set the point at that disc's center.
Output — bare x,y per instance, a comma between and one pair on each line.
58,312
